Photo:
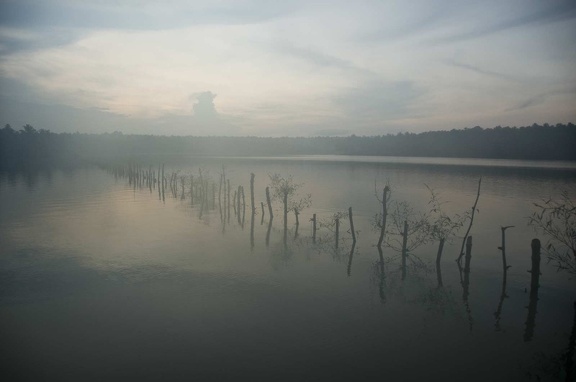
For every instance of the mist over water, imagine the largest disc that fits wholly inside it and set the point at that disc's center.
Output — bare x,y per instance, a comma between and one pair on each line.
102,278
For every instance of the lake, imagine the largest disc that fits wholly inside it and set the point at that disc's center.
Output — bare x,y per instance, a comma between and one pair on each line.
103,278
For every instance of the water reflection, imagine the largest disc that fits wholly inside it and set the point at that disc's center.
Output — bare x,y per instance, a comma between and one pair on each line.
570,351
269,230
296,281
350,256
466,280
382,276
534,286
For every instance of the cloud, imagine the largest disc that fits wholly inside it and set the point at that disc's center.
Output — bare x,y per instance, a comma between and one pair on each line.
407,23
543,97
19,40
138,15
482,71
318,58
532,101
204,108
59,22
284,68
545,13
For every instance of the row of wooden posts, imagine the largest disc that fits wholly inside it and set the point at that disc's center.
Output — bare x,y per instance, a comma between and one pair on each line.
200,191
140,176
236,201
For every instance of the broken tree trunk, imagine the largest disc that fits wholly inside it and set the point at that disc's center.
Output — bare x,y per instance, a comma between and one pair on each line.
471,221
269,203
384,215
404,249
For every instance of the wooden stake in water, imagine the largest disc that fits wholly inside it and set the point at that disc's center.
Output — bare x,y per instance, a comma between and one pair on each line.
163,196
238,196
158,184
337,232
252,193
269,203
352,225
471,221
191,190
228,182
404,249
314,228
243,206
438,259
384,215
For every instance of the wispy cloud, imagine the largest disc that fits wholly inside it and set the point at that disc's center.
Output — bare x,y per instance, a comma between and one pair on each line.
542,98
538,13
379,101
139,15
485,72
18,40
318,58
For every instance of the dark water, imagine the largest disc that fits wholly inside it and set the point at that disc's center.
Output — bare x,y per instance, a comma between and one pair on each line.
101,280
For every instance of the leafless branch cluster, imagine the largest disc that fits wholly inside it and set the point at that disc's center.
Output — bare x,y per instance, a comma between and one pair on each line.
556,218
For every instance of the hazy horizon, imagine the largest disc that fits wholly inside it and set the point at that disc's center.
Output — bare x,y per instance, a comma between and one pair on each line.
273,69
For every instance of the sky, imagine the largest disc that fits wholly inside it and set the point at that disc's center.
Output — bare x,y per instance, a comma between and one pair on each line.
286,68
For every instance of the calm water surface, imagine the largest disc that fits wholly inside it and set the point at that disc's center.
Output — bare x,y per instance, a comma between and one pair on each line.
102,280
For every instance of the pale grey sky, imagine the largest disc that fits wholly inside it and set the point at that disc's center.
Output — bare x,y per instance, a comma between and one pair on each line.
296,68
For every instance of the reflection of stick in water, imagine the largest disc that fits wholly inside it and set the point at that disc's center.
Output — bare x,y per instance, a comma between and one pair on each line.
503,248
404,249
252,229
349,269
220,196
466,281
268,231
570,372
252,205
382,276
534,285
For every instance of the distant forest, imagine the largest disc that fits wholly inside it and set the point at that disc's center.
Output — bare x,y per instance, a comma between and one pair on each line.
29,147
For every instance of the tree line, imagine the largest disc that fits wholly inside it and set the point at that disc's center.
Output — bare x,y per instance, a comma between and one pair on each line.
29,147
